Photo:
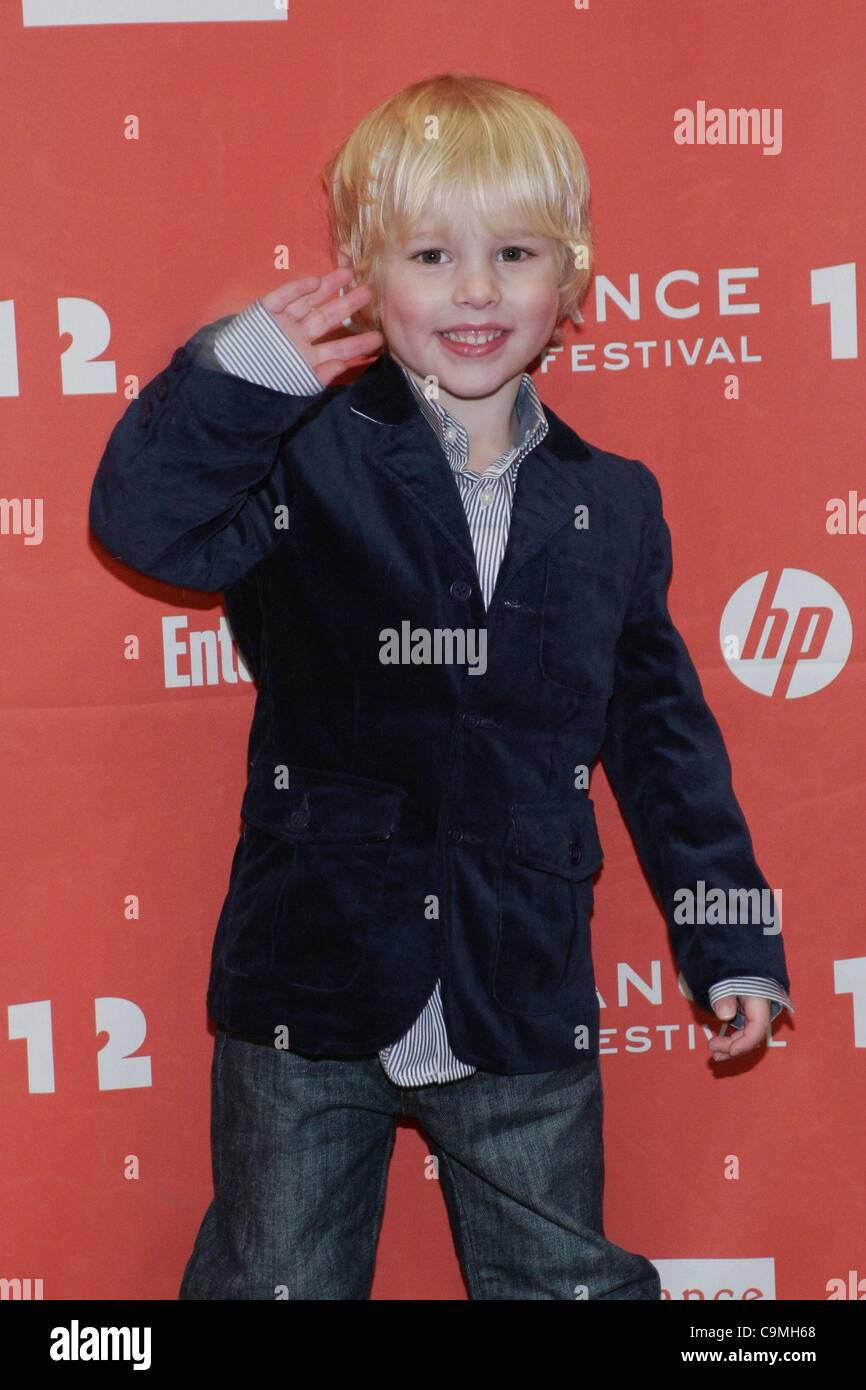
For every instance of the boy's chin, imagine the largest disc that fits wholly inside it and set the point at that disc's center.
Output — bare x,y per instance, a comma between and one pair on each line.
479,375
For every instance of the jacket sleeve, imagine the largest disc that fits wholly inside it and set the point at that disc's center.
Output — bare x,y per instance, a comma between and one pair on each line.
189,482
666,760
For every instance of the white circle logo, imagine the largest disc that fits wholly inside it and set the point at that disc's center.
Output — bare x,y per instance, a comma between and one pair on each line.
786,636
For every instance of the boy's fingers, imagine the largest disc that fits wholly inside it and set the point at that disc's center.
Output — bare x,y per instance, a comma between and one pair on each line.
316,321
733,1044
308,308
726,1007
275,301
354,345
313,288
329,371
333,365
757,1014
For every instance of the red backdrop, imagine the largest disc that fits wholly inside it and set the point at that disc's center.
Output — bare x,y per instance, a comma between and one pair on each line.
153,171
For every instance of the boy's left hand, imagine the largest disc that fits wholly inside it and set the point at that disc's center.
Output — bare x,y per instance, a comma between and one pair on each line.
757,1012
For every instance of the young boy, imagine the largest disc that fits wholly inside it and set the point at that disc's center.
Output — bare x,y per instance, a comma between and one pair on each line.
453,606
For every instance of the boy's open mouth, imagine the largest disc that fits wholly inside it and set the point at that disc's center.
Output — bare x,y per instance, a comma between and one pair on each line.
477,342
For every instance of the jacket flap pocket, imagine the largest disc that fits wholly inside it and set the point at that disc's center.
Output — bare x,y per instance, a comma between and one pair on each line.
321,807
559,837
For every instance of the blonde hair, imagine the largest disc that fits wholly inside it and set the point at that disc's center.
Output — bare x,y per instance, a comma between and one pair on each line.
502,146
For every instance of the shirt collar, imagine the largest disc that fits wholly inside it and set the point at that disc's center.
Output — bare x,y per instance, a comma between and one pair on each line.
532,426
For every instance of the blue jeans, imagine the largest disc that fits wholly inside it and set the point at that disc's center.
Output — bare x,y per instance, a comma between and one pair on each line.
301,1148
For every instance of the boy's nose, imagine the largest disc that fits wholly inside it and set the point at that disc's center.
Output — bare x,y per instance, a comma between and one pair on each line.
478,292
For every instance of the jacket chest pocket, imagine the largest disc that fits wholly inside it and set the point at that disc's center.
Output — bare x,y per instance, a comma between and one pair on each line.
551,851
582,617
311,879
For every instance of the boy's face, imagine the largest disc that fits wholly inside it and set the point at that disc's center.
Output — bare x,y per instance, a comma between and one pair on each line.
458,276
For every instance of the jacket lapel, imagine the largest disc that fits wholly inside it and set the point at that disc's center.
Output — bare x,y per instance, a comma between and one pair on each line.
550,481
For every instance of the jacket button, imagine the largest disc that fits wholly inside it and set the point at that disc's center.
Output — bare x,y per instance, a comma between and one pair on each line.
299,820
178,359
161,389
460,589
472,719
455,836
575,851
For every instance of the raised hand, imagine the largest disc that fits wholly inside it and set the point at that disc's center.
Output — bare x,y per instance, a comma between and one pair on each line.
306,309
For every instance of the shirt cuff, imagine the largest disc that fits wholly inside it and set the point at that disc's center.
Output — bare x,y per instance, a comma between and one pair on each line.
759,986
253,346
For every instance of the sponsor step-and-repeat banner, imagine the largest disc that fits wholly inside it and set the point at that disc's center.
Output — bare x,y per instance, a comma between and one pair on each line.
162,164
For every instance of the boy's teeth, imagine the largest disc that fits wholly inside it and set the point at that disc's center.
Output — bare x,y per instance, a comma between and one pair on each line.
473,337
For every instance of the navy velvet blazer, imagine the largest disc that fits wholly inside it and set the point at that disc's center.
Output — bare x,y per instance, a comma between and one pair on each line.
409,820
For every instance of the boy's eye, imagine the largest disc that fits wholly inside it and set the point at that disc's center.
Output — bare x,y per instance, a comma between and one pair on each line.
437,251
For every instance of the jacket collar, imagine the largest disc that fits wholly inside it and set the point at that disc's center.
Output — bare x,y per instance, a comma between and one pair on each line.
532,426
550,482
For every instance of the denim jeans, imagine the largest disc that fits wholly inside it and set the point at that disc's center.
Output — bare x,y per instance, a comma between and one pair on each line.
301,1148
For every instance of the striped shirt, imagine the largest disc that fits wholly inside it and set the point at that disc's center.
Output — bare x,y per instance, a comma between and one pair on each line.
253,346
